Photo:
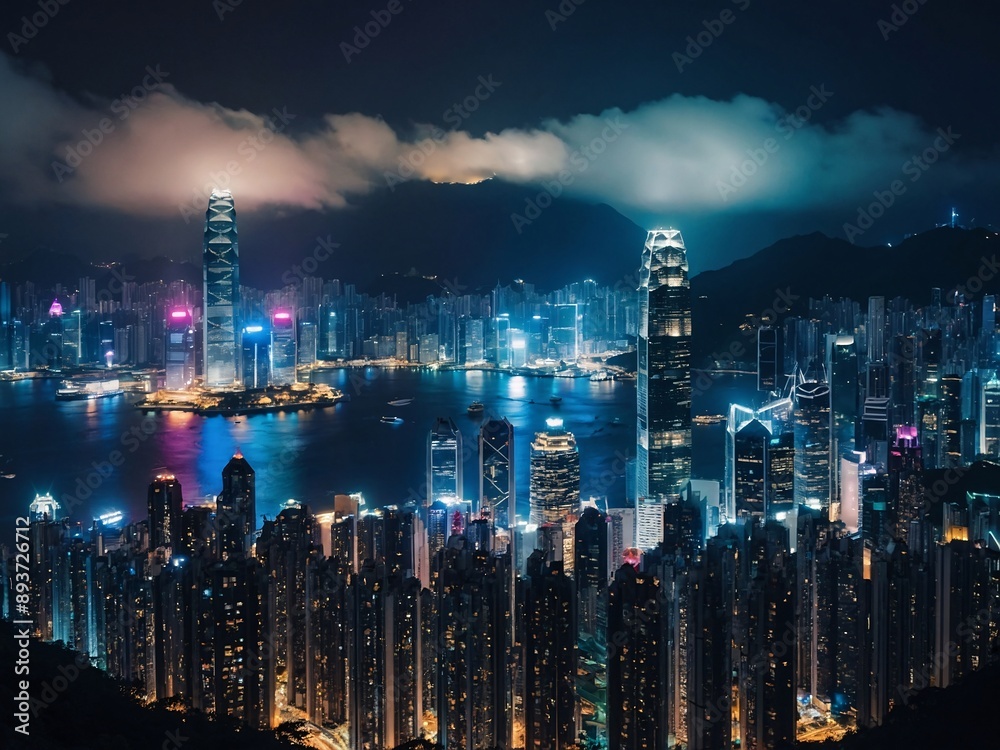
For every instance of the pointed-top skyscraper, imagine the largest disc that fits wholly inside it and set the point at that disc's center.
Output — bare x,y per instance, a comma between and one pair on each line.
221,261
663,448
236,508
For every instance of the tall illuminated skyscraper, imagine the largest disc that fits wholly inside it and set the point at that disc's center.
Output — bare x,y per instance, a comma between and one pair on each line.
496,472
165,505
255,348
221,261
555,474
664,377
444,462
989,418
283,347
236,508
179,349
812,445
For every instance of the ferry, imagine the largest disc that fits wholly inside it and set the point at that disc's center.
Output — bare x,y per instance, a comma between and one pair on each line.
391,420
78,390
401,402
476,407
555,399
599,376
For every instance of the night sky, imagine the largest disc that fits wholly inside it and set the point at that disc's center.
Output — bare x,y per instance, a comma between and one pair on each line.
659,110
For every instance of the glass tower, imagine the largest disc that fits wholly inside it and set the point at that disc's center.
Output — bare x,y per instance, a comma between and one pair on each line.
221,262
812,445
496,472
283,354
664,378
444,462
179,351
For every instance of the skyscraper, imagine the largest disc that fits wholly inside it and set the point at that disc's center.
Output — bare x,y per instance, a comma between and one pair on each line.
664,376
221,297
989,418
496,472
555,474
236,508
770,359
179,350
812,445
165,506
444,461
636,685
255,346
283,346
566,331
842,366
550,654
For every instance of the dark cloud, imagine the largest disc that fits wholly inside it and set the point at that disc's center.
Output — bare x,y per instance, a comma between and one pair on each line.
161,153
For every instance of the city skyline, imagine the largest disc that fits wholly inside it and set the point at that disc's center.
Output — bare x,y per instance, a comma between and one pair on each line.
521,376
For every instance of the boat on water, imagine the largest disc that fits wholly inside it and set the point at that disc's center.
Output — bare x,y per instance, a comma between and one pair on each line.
7,476
476,407
599,376
617,421
78,390
555,399
401,402
391,420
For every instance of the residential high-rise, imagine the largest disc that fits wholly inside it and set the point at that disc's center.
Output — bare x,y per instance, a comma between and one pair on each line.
636,679
221,314
444,462
555,474
179,349
283,347
664,373
496,472
550,658
236,512
165,506
284,547
591,573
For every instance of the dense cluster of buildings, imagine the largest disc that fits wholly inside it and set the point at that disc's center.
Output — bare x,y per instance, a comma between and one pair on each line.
849,556
224,334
